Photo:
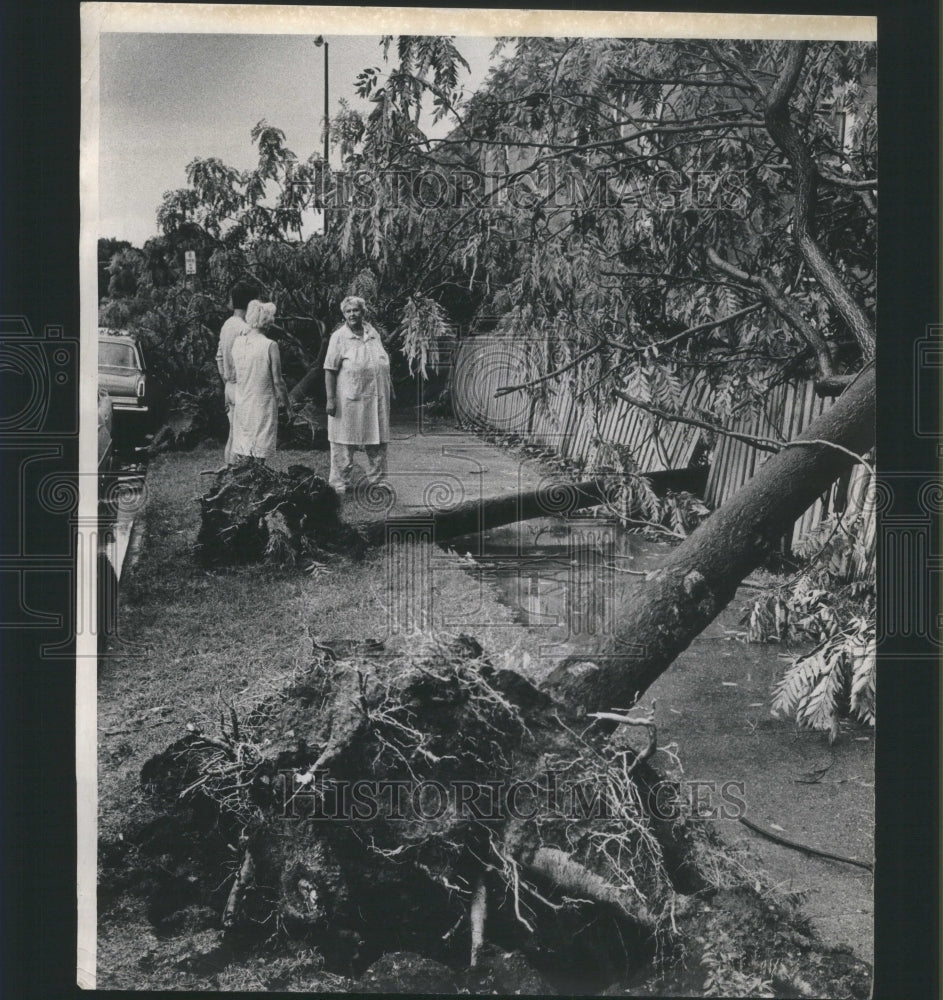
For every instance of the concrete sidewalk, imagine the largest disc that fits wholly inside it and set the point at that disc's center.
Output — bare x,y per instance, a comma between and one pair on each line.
432,465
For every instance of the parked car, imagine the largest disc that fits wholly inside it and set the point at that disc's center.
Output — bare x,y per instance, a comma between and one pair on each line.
122,372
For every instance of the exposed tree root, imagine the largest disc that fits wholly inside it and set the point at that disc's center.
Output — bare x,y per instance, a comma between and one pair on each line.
477,915
577,882
579,873
252,513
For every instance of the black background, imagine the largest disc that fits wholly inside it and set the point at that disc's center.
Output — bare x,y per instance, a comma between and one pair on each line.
40,280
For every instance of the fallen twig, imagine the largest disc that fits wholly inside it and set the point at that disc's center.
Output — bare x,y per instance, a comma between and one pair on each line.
805,847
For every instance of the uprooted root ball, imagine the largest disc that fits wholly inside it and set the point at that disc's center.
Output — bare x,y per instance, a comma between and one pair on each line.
425,802
253,513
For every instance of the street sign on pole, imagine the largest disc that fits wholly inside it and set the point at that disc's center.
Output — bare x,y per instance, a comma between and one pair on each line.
189,259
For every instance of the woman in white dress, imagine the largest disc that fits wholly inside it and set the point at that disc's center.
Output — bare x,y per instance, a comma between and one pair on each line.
357,381
259,386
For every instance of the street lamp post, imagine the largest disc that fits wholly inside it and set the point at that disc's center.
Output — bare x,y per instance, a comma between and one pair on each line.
319,41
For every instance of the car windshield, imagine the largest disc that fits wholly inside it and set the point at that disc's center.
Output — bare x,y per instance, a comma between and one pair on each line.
112,354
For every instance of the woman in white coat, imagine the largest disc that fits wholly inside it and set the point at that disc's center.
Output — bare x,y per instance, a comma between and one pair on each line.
357,382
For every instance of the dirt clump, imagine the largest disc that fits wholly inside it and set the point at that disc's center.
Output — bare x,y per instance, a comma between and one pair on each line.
406,972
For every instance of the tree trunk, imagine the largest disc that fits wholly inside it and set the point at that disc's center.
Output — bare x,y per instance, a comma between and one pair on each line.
305,384
786,136
559,498
309,380
833,386
699,579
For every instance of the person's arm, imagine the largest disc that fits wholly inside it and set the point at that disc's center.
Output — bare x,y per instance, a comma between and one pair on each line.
389,375
281,390
220,365
330,389
332,362
389,366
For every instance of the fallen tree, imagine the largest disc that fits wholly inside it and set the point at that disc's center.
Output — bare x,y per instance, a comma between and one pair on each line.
354,809
698,579
254,513
560,499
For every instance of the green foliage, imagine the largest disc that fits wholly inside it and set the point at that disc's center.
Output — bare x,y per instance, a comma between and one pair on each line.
427,64
611,185
830,604
597,187
834,679
635,503
833,586
723,959
837,549
347,129
176,324
241,226
107,248
424,325
683,512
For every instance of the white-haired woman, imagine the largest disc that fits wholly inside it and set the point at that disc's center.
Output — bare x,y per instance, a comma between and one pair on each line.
260,387
357,381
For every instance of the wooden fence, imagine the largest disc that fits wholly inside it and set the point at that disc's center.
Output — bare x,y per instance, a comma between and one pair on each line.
583,430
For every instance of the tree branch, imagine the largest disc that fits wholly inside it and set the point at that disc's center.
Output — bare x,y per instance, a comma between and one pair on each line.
833,386
829,444
641,348
620,346
696,279
561,149
680,81
785,135
785,842
869,203
504,390
787,309
731,62
763,444
848,182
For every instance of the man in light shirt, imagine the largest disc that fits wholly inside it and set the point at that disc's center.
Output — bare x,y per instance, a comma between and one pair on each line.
241,294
